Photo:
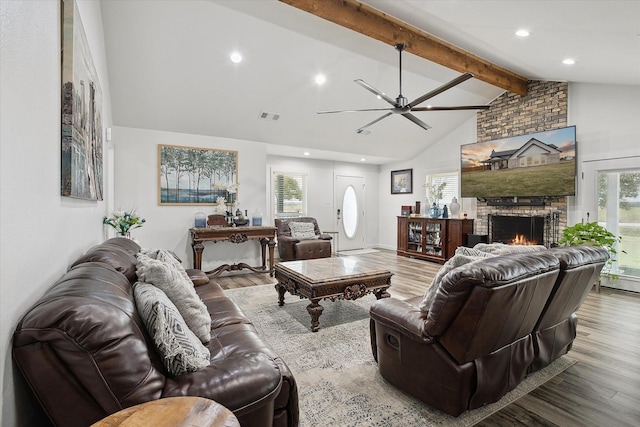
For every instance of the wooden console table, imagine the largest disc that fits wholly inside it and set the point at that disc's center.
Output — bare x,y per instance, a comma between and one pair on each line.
266,236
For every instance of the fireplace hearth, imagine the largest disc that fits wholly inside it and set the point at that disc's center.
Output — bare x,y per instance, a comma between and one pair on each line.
520,230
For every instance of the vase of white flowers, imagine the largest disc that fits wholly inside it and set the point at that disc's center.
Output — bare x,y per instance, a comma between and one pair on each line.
124,222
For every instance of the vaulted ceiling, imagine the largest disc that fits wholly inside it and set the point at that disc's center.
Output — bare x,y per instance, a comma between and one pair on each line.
169,66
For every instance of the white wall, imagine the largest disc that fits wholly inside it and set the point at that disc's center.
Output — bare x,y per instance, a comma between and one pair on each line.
41,231
607,120
320,190
441,157
167,227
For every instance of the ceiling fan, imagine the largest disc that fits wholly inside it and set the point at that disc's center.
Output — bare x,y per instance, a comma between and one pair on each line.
400,104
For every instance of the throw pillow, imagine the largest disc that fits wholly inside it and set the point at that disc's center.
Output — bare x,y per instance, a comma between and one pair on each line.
453,262
463,250
302,230
174,281
180,349
503,249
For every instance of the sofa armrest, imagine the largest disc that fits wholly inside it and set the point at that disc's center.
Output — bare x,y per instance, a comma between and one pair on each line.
402,316
325,236
198,277
288,239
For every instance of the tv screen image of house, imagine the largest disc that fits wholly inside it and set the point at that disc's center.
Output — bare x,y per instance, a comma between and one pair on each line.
535,165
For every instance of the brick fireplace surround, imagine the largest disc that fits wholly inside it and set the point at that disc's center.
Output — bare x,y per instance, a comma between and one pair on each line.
554,213
543,107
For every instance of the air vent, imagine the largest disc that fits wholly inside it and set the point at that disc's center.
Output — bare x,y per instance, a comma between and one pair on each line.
272,117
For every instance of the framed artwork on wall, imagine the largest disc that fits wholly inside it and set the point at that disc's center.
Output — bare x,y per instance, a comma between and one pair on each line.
82,128
196,176
402,181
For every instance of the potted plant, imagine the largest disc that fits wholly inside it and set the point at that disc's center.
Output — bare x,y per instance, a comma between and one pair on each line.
124,222
592,234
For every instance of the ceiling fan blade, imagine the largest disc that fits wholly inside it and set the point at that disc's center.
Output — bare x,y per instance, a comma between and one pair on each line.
375,91
446,86
373,122
353,111
417,121
462,107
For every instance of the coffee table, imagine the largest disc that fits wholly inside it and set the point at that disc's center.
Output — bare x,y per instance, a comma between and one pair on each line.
329,278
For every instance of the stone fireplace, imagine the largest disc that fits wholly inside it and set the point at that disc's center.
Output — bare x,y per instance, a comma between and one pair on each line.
521,230
539,222
543,107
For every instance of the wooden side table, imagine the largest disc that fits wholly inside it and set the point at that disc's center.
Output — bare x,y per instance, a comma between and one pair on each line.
185,411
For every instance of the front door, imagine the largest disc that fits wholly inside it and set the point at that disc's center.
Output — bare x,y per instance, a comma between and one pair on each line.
349,215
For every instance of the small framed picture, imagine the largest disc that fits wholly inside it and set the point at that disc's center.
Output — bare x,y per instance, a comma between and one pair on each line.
402,181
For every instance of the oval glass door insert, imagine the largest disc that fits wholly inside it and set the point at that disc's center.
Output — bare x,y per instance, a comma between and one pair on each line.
350,212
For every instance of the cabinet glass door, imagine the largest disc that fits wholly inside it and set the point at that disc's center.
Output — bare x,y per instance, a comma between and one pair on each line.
433,239
414,238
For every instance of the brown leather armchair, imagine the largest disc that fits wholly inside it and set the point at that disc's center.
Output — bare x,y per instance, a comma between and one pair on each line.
290,248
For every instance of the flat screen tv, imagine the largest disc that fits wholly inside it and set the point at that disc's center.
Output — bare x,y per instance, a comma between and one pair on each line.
532,165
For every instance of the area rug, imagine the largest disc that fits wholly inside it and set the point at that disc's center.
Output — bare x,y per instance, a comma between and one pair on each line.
358,252
338,379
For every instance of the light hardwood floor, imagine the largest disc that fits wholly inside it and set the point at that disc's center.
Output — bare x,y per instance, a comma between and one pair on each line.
602,389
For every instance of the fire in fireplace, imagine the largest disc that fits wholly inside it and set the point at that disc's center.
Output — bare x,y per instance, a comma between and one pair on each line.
517,230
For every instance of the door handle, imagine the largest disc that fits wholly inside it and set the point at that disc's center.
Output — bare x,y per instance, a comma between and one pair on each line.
338,213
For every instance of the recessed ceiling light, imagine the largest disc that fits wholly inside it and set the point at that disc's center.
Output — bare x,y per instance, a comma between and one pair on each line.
363,159
522,33
306,153
568,61
235,57
320,79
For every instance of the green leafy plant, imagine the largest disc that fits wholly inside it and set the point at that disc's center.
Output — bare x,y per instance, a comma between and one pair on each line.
124,222
593,234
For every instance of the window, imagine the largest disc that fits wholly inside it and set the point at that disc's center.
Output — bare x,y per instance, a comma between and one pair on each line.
449,191
289,194
619,212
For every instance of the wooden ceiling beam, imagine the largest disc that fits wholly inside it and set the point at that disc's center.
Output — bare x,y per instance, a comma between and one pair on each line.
375,24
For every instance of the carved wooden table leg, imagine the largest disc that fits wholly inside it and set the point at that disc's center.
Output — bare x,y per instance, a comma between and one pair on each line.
197,247
315,310
281,290
381,293
272,245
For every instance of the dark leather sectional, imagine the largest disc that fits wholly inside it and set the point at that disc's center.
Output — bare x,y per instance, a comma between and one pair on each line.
85,353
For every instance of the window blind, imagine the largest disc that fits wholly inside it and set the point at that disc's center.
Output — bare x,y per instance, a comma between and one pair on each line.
289,194
449,191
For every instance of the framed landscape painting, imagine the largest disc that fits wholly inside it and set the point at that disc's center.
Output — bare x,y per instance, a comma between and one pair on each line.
82,128
402,181
196,176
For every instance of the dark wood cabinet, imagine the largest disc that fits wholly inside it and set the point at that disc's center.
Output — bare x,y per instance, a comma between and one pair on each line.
432,239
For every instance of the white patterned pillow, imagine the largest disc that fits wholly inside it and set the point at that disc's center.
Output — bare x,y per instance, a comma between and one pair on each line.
502,249
303,230
463,250
171,277
180,349
453,262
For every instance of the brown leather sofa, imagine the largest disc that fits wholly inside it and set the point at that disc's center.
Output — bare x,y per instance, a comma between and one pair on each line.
491,321
85,352
555,331
293,248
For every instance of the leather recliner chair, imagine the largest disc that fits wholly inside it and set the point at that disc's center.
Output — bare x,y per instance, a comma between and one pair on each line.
291,248
475,343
